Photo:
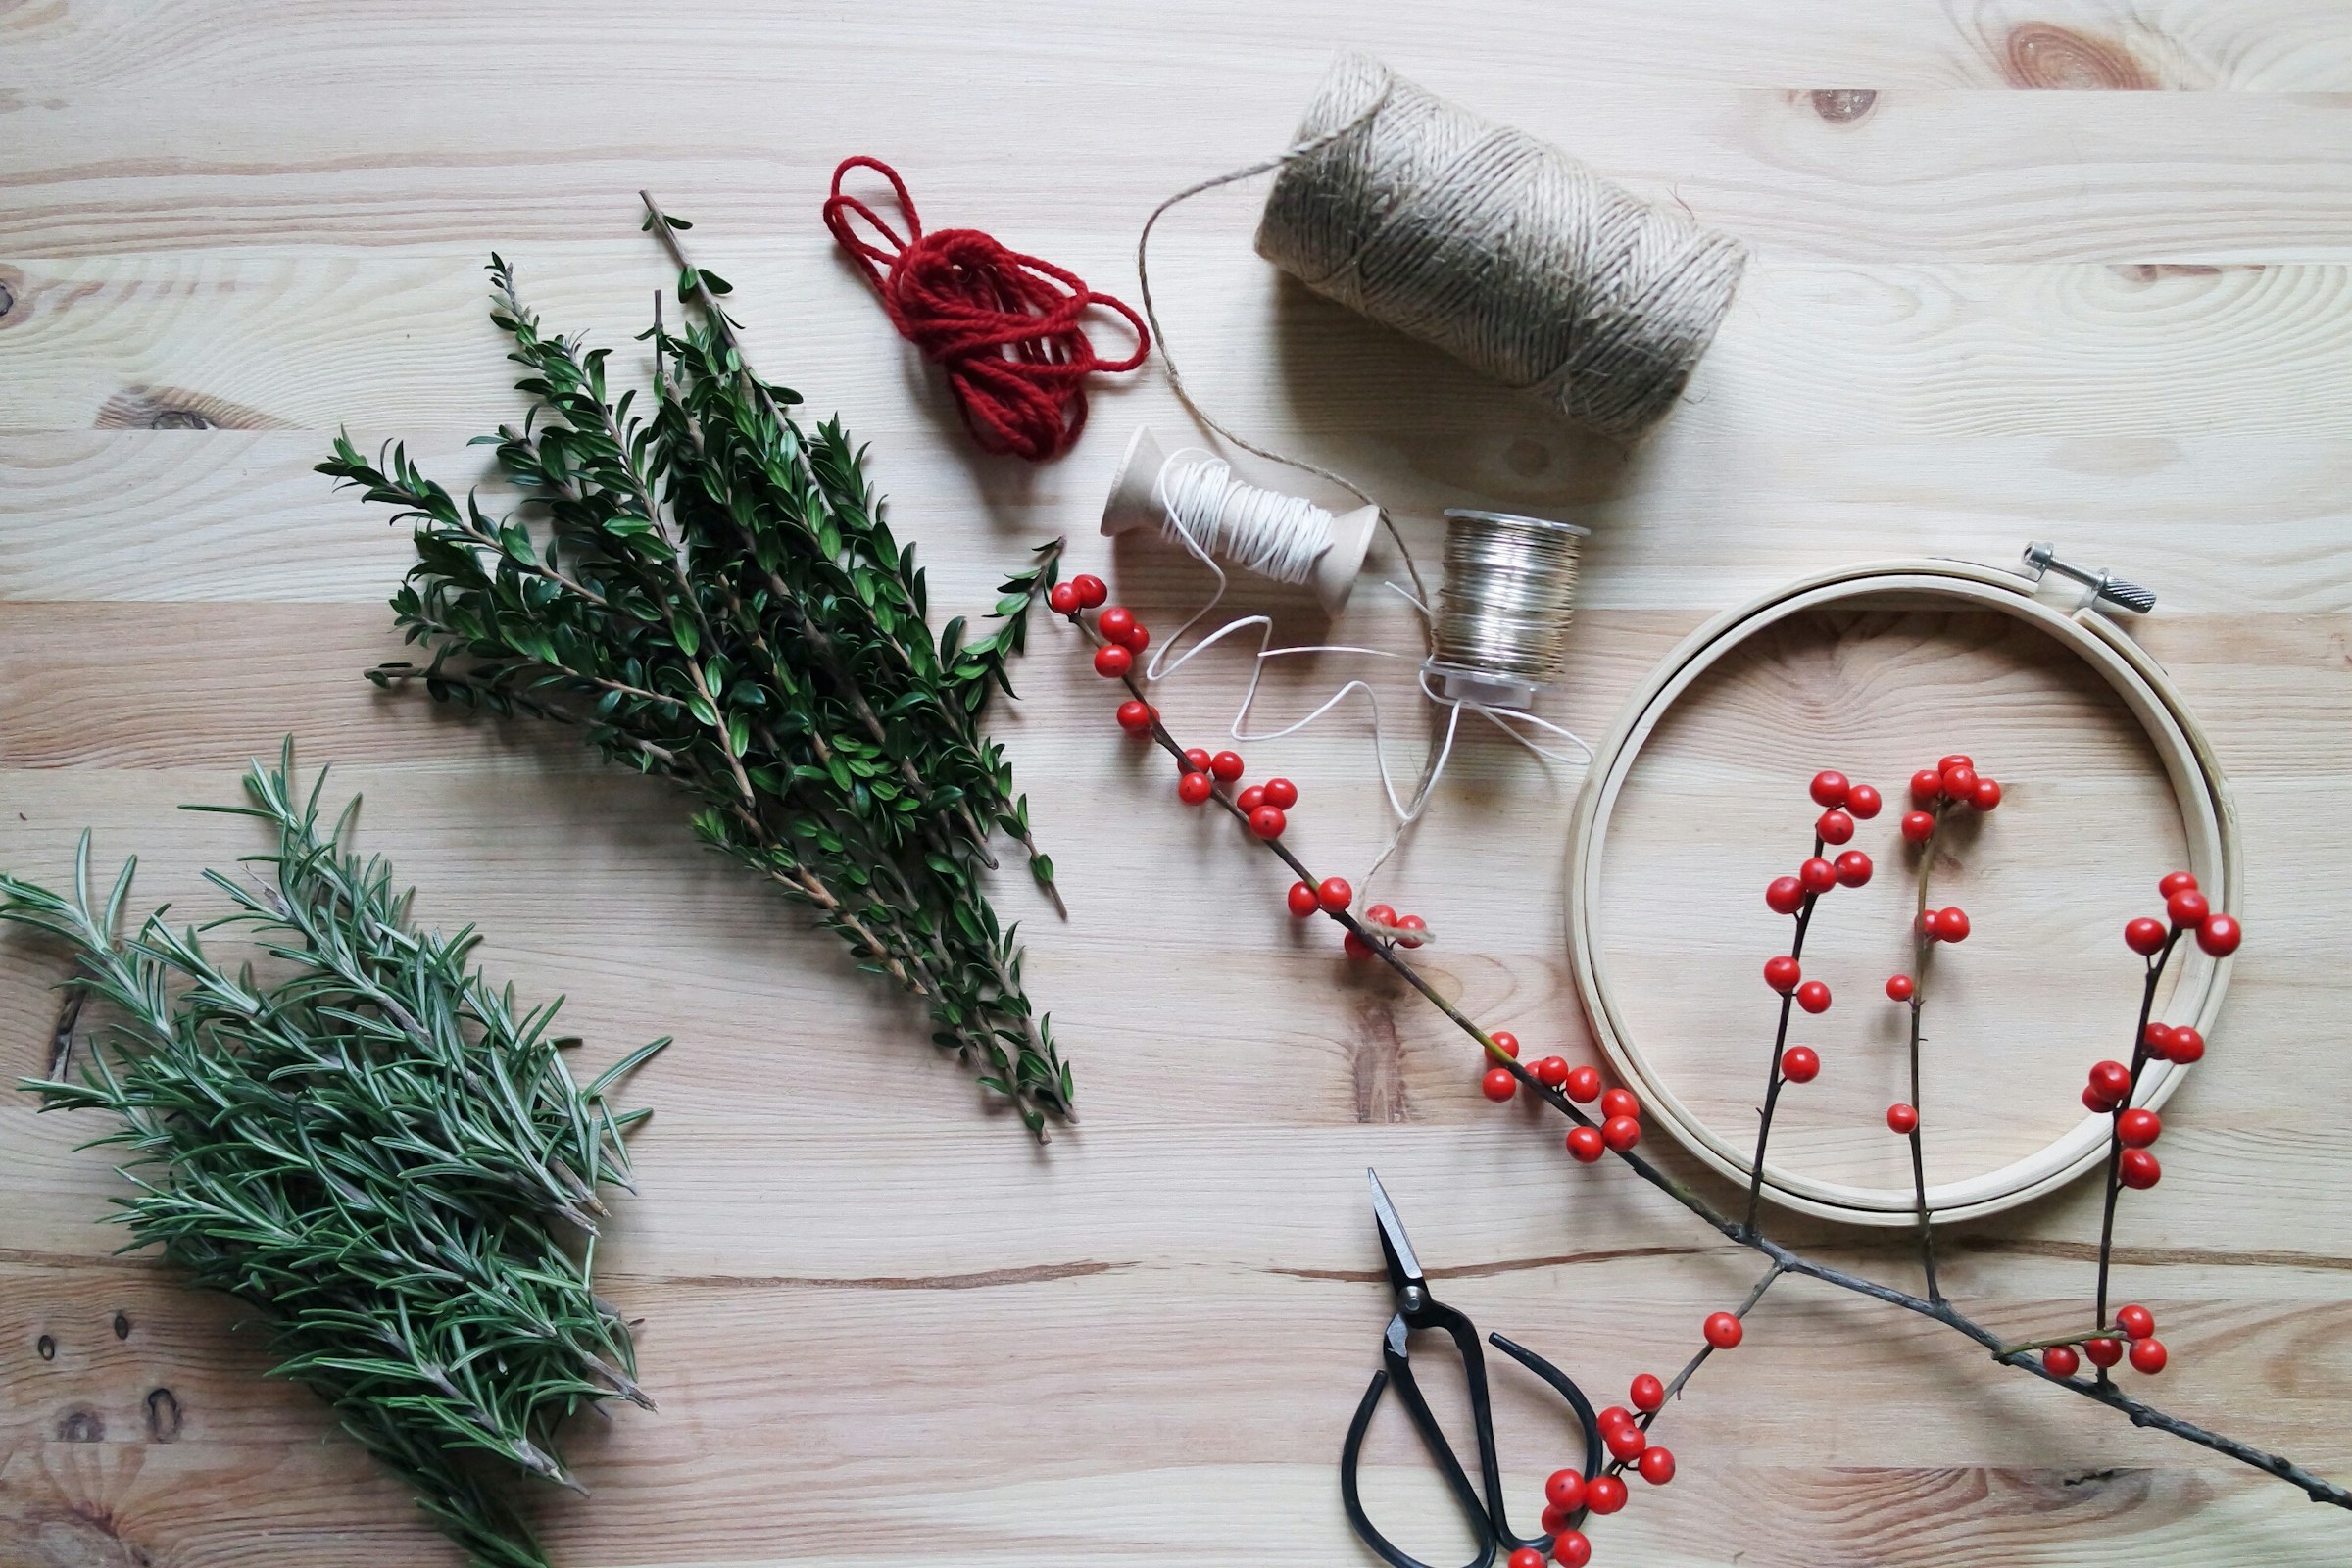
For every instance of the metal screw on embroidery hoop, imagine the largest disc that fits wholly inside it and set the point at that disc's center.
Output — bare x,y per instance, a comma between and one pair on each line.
2103,584
1499,627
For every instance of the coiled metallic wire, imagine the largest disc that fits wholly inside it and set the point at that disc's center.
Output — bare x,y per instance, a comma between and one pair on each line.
1509,588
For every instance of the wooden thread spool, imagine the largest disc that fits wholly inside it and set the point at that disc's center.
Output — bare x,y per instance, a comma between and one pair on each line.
1140,498
2208,815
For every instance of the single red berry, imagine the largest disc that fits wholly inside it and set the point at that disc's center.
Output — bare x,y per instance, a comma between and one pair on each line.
2113,1080
2186,1046
1354,947
1197,758
1526,1557
1555,1520
1616,1415
2103,1352
1565,1490
2144,936
1303,900
1621,1133
1723,1330
2061,1361
1782,973
1092,590
1334,894
1570,1548
1551,1071
1226,765
1282,792
1899,987
1813,996
1835,827
1626,1439
1604,1495
2187,907
2156,1039
1267,821
1620,1102
1783,895
1817,875
1585,1145
2136,1321
1115,623
1647,1393
2147,1355
2139,1127
1498,1085
1137,639
1831,789
1112,660
2139,1170
1505,1042
1135,717
1902,1118
1381,915
1853,868
2174,882
2220,934
1987,795
1063,598
1409,925
1192,788
1954,927
1251,799
1918,827
1927,785
1960,783
1583,1085
1657,1465
1956,759
1931,923
2093,1100
1800,1064
1864,801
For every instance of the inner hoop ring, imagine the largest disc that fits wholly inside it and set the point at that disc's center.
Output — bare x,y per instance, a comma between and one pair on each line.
2208,815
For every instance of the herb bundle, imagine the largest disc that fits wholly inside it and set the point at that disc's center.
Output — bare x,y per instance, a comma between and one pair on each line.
718,600
376,1148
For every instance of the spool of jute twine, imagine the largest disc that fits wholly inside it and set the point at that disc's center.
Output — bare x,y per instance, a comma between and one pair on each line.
1497,248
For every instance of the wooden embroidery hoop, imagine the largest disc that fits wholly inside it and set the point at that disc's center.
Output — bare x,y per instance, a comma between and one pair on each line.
2208,815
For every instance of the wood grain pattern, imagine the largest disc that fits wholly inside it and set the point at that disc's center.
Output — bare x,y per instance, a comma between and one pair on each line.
2075,271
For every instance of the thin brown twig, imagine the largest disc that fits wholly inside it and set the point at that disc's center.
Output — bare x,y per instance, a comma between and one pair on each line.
1785,1260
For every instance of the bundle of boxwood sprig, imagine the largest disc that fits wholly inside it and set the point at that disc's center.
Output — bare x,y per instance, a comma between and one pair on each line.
717,600
375,1146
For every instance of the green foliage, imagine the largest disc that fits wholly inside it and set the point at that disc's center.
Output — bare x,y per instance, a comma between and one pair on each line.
717,600
376,1148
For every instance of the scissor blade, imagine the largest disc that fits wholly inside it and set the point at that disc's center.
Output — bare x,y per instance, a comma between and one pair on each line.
1404,1268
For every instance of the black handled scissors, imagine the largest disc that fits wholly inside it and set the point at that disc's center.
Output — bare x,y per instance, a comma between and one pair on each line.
1417,1310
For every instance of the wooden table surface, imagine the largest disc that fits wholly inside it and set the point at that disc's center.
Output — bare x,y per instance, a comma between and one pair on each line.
883,1326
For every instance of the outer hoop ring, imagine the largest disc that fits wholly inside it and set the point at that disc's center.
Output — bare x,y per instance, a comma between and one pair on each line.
2208,815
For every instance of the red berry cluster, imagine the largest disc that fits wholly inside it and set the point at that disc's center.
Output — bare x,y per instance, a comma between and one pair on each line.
1620,1126
1950,784
2185,909
2134,1324
1568,1495
1842,801
1406,931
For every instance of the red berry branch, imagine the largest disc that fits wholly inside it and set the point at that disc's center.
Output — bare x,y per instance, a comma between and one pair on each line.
1380,934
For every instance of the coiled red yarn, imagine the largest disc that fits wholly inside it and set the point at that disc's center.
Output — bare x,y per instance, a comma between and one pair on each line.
1006,326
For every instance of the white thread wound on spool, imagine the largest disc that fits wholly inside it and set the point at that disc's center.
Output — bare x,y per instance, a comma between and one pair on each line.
1272,534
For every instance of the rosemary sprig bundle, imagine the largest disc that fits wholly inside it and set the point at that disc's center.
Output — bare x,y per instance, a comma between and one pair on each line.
717,600
376,1147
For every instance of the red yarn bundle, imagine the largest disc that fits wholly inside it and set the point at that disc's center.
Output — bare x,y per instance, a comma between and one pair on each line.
1004,325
